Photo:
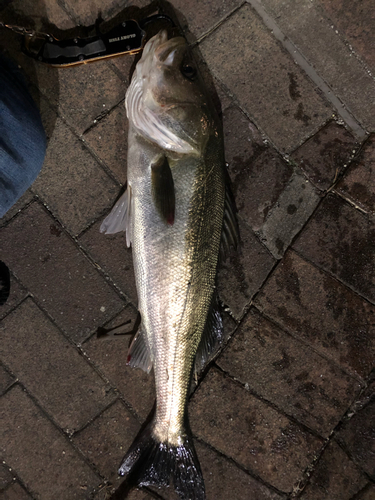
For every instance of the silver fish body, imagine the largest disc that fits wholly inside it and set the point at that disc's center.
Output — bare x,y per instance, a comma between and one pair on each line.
175,269
173,212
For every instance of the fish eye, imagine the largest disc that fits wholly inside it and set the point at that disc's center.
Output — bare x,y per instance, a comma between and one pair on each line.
189,71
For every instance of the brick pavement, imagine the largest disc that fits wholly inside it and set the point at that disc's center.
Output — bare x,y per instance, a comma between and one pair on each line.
287,409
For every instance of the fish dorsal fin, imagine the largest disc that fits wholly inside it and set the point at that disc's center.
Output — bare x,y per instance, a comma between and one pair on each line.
139,355
119,217
212,338
230,235
163,189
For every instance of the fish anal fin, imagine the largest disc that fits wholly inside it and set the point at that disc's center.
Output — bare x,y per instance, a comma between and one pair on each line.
163,189
119,217
212,337
139,355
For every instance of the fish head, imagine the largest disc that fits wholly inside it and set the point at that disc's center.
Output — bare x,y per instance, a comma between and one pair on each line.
166,101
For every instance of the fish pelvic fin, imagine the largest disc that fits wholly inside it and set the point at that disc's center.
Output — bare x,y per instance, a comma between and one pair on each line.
139,355
119,217
151,462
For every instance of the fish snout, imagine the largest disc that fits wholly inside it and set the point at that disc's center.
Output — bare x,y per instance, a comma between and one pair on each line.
154,42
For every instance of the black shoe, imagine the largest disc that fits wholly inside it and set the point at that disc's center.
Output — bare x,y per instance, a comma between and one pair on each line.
4,283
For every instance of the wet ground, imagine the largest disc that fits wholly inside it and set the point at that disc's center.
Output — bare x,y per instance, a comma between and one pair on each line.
287,409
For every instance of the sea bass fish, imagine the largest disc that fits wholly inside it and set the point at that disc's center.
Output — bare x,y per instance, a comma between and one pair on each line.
178,218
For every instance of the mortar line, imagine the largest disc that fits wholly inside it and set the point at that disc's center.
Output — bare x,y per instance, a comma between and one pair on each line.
333,276
60,430
268,402
75,239
353,375
15,479
310,470
94,418
77,346
216,26
362,491
249,471
351,202
300,59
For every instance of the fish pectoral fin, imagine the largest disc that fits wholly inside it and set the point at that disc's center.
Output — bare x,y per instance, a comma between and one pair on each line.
139,355
163,189
119,217
212,337
230,235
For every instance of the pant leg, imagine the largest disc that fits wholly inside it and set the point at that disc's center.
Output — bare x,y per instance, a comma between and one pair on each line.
22,137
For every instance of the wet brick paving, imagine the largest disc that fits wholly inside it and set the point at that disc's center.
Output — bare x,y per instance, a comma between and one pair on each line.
286,410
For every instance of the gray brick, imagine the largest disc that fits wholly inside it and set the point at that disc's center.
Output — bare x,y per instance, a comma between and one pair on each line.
303,23
358,183
237,484
81,93
326,155
17,207
44,459
340,239
6,476
335,477
109,140
355,24
37,11
15,492
288,216
112,255
72,174
110,358
261,79
86,15
291,375
49,264
106,440
316,307
244,271
51,368
247,430
17,294
6,379
357,436
368,493
197,18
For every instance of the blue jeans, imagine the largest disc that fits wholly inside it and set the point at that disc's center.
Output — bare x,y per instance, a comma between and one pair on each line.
22,137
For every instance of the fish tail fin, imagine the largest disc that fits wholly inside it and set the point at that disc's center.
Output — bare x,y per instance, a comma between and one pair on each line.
151,462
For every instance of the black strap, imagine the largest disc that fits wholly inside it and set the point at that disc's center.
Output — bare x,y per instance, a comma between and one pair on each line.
126,38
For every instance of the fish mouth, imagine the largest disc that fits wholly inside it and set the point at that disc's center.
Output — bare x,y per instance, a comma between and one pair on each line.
168,52
172,51
154,42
